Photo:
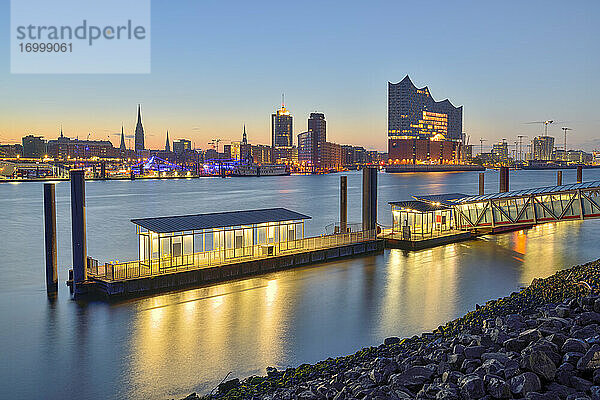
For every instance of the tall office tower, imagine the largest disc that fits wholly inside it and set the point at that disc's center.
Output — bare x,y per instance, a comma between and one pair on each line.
317,123
281,128
167,144
139,132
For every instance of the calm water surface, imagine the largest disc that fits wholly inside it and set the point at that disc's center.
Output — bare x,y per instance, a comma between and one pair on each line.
172,344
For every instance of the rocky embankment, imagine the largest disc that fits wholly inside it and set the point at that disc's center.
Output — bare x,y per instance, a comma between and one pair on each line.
540,343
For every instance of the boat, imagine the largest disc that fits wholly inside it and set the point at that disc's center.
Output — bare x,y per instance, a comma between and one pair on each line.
251,169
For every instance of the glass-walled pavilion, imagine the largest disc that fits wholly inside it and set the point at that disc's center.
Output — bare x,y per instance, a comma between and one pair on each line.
167,242
417,218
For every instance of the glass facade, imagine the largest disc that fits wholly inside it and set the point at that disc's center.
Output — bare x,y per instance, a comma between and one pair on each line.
160,251
413,113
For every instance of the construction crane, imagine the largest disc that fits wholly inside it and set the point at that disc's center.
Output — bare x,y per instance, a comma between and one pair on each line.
481,144
215,144
521,146
565,129
546,123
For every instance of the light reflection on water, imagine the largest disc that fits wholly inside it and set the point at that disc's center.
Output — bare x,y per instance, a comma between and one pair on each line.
172,344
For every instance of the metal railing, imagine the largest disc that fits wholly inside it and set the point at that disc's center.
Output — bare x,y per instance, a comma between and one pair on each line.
170,264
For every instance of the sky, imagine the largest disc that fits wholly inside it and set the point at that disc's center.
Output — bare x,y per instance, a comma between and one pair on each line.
218,65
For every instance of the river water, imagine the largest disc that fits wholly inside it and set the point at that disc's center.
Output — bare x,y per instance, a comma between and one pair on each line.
172,344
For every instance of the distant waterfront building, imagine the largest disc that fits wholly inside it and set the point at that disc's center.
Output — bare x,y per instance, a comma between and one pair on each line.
467,152
414,119
307,150
261,154
33,146
181,146
543,147
281,129
167,143
64,147
139,132
500,151
11,150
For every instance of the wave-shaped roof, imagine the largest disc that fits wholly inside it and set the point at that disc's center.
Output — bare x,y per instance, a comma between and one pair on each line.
407,81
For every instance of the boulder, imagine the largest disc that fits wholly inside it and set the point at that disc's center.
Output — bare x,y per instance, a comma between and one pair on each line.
541,364
471,387
526,382
574,345
496,387
474,351
590,360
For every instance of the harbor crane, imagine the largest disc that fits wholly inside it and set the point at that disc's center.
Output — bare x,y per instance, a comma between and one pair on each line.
481,145
215,144
566,129
521,146
546,123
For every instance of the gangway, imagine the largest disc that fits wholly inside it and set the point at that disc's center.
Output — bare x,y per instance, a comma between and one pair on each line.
579,201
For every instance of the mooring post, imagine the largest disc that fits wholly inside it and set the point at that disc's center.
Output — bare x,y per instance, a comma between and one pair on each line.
78,229
504,185
373,193
369,200
481,183
558,178
343,204
579,174
50,238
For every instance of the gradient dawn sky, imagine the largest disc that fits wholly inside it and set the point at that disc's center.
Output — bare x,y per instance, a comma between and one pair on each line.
217,65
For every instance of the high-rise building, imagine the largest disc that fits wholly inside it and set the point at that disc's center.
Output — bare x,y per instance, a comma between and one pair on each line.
317,123
421,129
543,147
139,132
33,146
181,146
281,128
167,143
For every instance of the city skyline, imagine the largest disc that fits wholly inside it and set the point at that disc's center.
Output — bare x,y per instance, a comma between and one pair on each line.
505,68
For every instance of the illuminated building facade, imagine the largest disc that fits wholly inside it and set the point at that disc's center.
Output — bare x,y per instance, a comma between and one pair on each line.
543,147
281,128
181,146
421,129
500,152
64,147
33,146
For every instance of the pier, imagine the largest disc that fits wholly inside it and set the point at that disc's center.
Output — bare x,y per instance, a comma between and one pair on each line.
433,220
197,249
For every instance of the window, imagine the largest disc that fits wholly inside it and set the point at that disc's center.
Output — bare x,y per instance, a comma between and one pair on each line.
177,246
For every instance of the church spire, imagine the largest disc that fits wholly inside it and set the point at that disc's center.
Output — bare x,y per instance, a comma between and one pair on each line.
167,144
61,134
139,132
122,147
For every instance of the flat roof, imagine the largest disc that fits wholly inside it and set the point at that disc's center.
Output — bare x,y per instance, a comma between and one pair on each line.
533,191
217,220
417,205
447,199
